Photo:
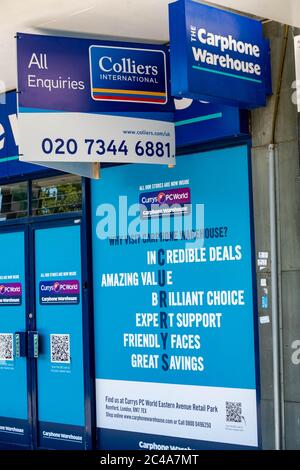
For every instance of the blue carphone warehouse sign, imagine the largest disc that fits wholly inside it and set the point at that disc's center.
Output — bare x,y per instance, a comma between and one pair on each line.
217,55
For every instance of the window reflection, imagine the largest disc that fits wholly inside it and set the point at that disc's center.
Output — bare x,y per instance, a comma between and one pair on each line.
56,195
13,201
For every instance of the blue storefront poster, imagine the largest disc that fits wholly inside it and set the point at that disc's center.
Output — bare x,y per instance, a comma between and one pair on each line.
175,320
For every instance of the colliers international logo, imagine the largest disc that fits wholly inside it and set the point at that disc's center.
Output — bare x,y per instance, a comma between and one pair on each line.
128,74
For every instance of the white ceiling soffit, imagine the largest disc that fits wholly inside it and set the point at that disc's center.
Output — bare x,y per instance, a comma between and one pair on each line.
283,11
140,20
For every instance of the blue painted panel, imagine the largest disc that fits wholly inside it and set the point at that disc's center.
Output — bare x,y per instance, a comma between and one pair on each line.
61,436
203,122
60,363
13,375
9,160
14,432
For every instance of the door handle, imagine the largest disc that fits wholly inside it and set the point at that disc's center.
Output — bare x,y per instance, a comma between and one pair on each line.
33,344
21,346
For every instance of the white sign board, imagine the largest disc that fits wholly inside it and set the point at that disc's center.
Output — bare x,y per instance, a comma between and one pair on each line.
78,137
83,100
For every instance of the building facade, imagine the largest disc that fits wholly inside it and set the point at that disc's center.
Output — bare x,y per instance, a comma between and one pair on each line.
49,222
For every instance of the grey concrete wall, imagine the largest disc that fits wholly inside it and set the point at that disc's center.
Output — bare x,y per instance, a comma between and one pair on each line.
288,212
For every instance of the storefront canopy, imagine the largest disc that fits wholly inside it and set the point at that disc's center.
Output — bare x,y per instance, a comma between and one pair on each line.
287,11
137,20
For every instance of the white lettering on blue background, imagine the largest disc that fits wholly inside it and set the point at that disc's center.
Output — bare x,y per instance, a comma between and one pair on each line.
224,44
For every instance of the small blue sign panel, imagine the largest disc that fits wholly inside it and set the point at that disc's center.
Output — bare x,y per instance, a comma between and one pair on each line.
217,55
264,302
197,122
9,160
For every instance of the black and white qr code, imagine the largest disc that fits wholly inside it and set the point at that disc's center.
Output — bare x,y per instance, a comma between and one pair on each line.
6,347
234,412
60,348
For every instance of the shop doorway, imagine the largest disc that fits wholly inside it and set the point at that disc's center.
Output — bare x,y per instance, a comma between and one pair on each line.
45,392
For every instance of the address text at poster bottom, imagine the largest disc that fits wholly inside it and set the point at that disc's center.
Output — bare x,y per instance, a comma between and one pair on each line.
213,414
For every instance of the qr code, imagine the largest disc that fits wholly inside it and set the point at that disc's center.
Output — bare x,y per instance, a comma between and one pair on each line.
234,412
6,347
60,348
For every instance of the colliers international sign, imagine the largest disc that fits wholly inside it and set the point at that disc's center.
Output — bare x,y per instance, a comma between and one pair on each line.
83,100
218,55
128,74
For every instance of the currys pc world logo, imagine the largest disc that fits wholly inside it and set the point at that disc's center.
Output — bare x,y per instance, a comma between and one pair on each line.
59,292
127,74
164,203
169,196
57,286
10,293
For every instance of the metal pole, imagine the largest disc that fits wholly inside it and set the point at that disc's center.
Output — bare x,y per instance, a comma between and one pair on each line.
276,320
274,284
280,312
